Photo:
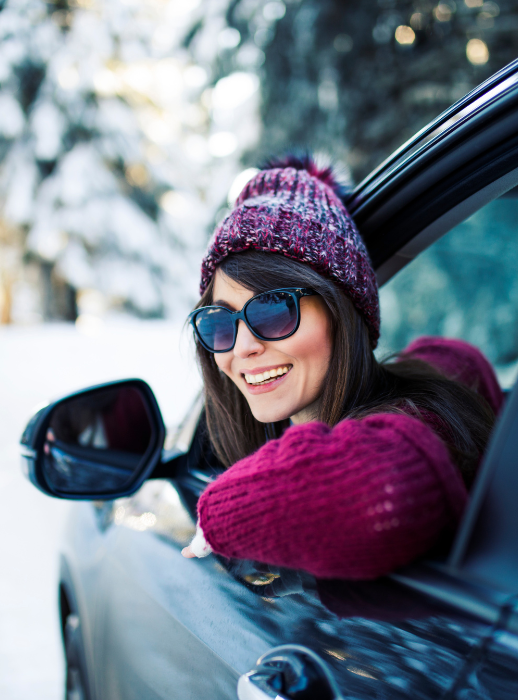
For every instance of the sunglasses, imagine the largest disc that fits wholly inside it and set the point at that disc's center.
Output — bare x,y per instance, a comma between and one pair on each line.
271,315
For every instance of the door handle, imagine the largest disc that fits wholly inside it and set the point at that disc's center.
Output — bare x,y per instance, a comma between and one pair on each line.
289,672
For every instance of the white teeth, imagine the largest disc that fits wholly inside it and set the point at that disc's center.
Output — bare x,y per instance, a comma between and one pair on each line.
265,376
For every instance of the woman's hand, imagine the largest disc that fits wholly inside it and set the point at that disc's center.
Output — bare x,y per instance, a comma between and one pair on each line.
188,553
199,546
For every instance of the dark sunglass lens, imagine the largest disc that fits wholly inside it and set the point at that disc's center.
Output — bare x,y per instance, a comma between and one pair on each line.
215,328
272,315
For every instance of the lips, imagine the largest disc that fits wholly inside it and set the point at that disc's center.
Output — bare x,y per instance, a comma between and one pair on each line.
269,384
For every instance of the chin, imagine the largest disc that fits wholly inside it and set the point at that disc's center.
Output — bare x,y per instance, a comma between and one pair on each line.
268,415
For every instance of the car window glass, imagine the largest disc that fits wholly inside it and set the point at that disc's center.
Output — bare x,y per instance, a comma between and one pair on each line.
464,286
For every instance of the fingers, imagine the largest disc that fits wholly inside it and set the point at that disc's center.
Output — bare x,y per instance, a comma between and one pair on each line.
188,553
199,546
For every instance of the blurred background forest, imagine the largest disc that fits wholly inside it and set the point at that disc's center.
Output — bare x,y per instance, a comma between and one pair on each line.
125,123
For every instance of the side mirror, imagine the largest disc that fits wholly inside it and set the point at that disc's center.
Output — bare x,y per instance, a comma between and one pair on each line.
97,444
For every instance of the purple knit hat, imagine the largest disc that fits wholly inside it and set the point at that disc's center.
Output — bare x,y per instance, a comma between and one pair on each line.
293,207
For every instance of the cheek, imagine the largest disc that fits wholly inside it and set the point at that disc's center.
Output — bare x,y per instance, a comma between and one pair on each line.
223,360
313,345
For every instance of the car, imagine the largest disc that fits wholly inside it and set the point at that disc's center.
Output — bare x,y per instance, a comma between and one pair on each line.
140,622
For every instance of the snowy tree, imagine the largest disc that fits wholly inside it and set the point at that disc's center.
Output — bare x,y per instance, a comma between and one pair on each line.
116,154
357,79
123,123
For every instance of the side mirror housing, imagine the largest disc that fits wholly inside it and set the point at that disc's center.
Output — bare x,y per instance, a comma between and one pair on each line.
97,444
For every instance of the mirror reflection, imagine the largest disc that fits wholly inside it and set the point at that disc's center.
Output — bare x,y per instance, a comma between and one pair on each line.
96,441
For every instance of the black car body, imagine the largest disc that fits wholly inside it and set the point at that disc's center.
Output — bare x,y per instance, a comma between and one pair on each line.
140,622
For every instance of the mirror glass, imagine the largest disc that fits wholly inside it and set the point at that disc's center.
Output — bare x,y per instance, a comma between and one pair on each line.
96,441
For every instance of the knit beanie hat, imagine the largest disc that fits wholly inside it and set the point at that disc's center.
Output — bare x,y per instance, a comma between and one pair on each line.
294,208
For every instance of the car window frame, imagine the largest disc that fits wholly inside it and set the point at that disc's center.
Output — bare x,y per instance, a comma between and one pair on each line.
481,531
468,581
466,165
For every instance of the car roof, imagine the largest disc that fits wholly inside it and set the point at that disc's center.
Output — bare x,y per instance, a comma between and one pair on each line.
471,148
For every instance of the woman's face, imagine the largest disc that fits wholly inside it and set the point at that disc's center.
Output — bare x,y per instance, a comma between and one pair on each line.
305,355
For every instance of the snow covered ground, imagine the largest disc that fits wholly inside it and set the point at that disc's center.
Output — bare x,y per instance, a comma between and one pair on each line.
36,364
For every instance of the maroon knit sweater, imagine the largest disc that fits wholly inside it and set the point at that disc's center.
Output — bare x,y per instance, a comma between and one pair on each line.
354,501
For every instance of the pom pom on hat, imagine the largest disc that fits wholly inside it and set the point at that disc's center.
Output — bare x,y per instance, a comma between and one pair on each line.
305,161
294,207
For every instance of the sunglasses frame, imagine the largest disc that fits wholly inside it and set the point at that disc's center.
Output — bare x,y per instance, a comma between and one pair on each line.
296,293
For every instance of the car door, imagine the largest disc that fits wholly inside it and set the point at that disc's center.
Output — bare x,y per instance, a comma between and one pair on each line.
486,553
160,626
173,630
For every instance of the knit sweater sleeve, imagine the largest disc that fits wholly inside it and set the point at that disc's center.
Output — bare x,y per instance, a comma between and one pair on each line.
354,502
461,361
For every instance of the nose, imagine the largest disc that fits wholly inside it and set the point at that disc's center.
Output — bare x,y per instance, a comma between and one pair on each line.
246,342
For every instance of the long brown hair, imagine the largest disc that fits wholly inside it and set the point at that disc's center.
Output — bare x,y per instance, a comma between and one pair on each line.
358,384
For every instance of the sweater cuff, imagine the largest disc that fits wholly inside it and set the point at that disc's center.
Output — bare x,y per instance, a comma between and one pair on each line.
199,545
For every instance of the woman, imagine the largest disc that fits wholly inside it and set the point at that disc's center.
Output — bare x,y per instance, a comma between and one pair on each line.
371,461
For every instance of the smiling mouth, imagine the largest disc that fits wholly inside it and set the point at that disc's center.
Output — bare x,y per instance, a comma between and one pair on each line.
266,377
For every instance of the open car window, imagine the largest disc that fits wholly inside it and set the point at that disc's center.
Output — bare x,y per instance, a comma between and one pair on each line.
464,286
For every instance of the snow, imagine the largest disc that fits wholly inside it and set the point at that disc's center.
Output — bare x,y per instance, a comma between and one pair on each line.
11,117
235,89
82,176
118,92
18,181
47,124
38,363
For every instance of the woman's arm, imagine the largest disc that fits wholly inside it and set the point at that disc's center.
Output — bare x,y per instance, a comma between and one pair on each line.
461,361
355,501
